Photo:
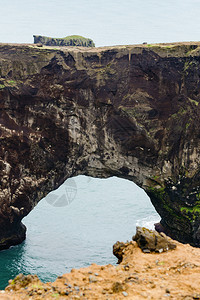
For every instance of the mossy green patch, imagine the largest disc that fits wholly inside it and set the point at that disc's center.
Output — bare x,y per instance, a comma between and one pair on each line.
194,102
74,37
187,67
161,195
193,210
174,49
180,113
11,82
187,125
157,192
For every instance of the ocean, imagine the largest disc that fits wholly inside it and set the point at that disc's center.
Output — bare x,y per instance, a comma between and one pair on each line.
77,225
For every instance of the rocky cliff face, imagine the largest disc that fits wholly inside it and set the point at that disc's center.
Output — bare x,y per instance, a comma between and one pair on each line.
129,111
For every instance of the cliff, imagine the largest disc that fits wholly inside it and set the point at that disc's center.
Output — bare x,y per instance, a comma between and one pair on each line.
128,111
72,40
167,275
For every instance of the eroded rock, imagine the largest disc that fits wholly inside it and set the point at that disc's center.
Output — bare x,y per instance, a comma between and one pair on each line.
118,248
152,241
22,281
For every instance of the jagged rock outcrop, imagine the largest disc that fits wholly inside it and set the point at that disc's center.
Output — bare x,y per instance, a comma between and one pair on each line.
152,241
71,40
148,240
129,111
167,275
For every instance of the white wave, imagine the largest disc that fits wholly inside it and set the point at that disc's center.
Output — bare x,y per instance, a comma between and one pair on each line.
148,222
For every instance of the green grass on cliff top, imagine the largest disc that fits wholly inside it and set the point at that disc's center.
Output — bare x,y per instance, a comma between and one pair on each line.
69,37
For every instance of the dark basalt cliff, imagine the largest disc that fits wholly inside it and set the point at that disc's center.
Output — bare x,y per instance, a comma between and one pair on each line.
129,111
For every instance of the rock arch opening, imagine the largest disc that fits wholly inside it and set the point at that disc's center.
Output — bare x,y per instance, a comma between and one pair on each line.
83,232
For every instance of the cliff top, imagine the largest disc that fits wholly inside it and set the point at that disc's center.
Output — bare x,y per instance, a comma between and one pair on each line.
144,97
163,49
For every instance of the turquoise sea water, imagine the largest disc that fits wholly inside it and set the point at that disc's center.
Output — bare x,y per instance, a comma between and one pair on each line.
102,212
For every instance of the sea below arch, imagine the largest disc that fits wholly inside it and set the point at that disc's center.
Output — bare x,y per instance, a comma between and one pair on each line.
77,225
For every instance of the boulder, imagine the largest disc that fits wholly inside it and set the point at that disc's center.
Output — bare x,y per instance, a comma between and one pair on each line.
152,241
118,248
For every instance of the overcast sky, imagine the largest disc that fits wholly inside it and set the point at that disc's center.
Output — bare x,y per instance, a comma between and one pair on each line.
107,22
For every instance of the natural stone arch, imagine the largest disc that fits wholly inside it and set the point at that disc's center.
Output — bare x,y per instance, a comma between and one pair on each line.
131,112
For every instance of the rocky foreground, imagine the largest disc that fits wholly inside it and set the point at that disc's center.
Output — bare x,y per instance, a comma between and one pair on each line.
165,274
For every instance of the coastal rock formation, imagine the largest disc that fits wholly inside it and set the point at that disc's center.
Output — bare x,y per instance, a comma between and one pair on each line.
148,240
71,40
168,275
129,111
152,241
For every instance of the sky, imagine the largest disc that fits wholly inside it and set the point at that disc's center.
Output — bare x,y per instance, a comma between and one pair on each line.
107,22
